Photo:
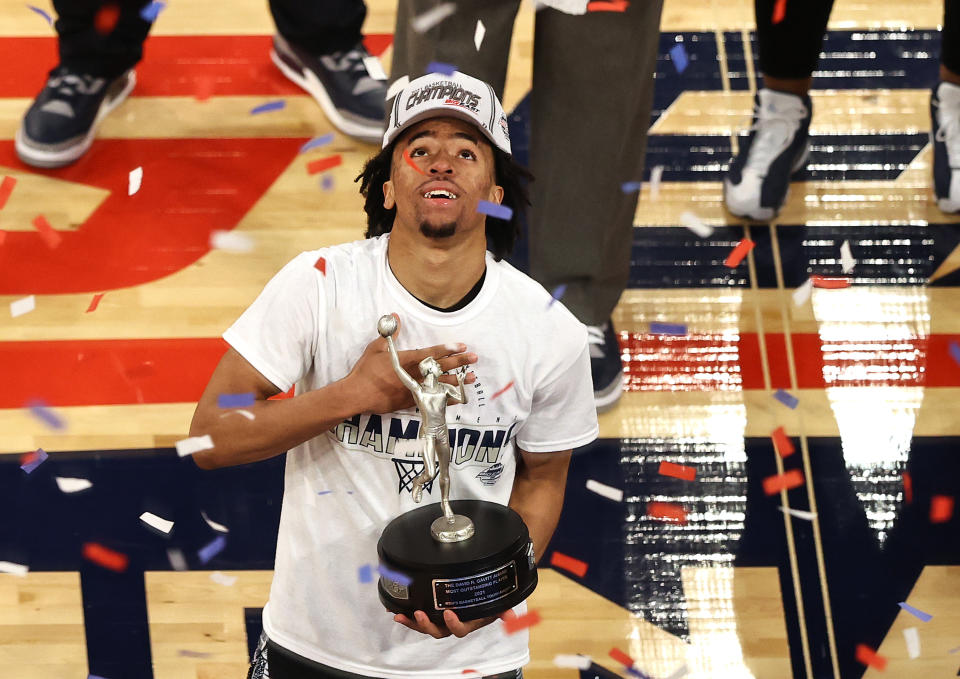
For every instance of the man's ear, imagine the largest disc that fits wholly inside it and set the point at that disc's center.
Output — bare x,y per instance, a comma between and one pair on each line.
388,198
496,194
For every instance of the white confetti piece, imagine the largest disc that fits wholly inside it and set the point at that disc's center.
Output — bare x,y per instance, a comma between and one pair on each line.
13,569
194,444
177,560
580,662
606,491
799,513
246,413
157,522
219,527
397,85
478,34
566,6
695,224
681,671
912,637
71,485
374,68
802,294
136,177
223,579
407,446
19,307
424,22
231,241
656,174
847,262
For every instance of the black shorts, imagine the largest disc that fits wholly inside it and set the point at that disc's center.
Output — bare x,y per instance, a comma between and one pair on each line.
275,662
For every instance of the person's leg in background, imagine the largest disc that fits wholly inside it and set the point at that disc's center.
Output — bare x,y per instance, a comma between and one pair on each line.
759,176
319,46
94,76
945,114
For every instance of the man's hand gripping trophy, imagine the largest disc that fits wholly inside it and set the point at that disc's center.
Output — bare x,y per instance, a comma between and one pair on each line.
431,398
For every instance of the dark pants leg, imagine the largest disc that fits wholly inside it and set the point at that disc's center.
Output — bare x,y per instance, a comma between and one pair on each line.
950,36
791,48
84,49
319,26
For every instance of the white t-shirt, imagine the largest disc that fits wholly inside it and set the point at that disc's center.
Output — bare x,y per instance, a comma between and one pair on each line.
308,328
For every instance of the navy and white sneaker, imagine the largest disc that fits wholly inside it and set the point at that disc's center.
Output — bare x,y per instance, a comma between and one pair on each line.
945,137
351,98
778,145
605,365
60,125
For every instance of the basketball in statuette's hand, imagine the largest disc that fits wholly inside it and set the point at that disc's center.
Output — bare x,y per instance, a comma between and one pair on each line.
387,325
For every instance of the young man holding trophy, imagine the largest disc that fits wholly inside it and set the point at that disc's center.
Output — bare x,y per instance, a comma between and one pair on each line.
492,408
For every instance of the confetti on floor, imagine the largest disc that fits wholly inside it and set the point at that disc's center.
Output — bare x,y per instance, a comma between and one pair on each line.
606,491
95,302
374,67
678,54
441,67
105,557
802,293
42,13
30,461
955,351
394,576
47,232
678,329
134,179
669,512
326,183
786,398
219,527
656,175
42,412
830,282
152,11
847,262
782,442
105,20
579,662
269,106
799,513
317,142
557,294
14,569
24,305
941,508
223,579
194,444
157,523
424,22
68,484
397,85
867,656
230,241
911,637
695,224
779,11
915,612
409,161
738,253
907,487
608,6
494,210
621,657
184,653
514,625
786,481
244,400
568,563
211,549
323,164
6,188
478,34
502,390
677,471
365,573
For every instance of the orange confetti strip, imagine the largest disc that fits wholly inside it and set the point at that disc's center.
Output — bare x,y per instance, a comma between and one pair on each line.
667,511
621,657
568,563
406,157
791,479
612,6
50,237
321,266
907,487
95,302
678,471
105,20
941,508
502,391
782,442
738,253
514,625
830,282
6,188
779,11
867,656
98,554
324,164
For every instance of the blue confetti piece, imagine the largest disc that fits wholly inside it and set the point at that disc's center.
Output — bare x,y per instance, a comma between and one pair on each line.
915,612
557,294
679,56
365,573
327,182
630,187
317,142
786,398
244,400
212,549
36,462
324,492
668,329
485,207
440,67
95,676
269,106
152,11
42,13
41,411
955,352
394,576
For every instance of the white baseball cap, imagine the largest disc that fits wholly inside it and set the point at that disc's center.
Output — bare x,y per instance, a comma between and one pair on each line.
459,95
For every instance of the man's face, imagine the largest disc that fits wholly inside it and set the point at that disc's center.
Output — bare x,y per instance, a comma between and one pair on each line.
456,171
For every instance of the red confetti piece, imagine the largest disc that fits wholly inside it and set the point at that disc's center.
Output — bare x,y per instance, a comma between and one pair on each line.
867,656
324,164
738,253
830,282
321,266
612,6
941,508
621,657
514,625
502,391
106,18
779,11
907,487
568,563
50,237
29,458
98,554
782,442
95,302
406,157
791,479
678,471
667,511
6,188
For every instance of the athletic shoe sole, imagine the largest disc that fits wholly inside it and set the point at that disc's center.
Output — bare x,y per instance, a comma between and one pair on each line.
305,78
33,154
762,214
606,399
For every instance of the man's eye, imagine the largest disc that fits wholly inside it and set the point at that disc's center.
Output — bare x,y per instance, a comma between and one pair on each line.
418,152
467,154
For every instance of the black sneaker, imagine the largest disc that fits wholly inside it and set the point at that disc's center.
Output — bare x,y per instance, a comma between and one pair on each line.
61,123
945,137
605,365
340,82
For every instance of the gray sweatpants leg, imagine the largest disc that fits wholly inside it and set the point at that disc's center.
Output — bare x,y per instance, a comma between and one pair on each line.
592,95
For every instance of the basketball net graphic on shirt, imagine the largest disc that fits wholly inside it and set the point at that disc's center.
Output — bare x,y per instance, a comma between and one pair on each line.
408,470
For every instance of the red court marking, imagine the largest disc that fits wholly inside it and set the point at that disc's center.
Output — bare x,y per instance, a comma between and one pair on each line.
621,657
49,235
867,656
941,508
409,160
6,188
907,487
324,164
678,471
568,563
667,511
779,11
105,557
3,236
786,481
514,625
782,442
321,266
738,253
830,282
611,6
502,391
95,302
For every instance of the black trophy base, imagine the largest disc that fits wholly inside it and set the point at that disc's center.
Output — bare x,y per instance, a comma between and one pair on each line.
479,577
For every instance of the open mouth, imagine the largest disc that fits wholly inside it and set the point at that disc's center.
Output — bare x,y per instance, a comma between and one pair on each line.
440,194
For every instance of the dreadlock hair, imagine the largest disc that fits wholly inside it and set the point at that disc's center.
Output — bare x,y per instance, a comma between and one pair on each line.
501,235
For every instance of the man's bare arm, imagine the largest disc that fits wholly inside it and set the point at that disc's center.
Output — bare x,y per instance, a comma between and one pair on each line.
537,496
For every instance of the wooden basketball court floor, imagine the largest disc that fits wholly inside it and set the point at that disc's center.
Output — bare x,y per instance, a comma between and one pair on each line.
741,589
